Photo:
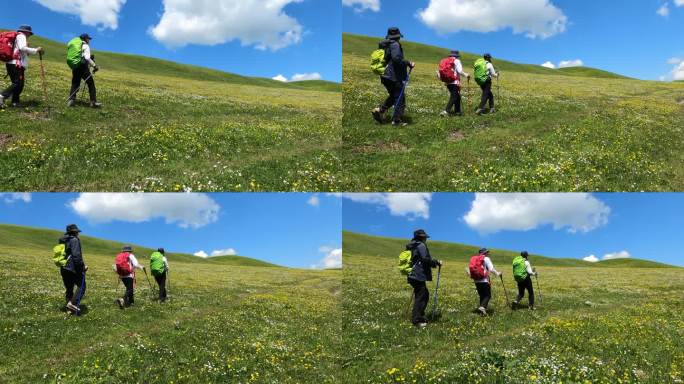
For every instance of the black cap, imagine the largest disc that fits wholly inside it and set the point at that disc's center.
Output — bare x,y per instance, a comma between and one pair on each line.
26,29
524,254
85,36
420,233
127,248
456,54
487,56
160,250
483,251
393,33
72,228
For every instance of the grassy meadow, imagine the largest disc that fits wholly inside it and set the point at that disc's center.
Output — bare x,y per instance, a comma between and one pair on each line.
617,321
228,319
573,129
169,127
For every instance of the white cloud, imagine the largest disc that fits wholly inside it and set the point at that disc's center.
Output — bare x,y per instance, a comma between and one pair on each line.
259,23
677,72
314,201
332,258
549,64
10,198
534,18
591,259
279,77
411,205
306,76
679,3
494,212
201,254
571,63
184,209
224,252
363,5
99,13
664,10
617,255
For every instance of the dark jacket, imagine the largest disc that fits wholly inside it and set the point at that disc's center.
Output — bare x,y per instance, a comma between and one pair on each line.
422,261
397,66
72,246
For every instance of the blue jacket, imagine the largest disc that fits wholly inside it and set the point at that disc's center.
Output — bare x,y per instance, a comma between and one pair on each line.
397,66
422,261
72,245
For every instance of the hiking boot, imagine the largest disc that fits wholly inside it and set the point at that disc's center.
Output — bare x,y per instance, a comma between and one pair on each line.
420,325
480,112
532,308
95,104
377,115
120,302
71,103
444,113
399,123
17,105
483,311
458,114
492,110
514,305
72,308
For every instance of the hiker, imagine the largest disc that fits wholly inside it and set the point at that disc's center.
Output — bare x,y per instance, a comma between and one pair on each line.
450,72
125,267
523,272
17,63
80,60
420,273
479,269
484,71
74,269
393,78
159,266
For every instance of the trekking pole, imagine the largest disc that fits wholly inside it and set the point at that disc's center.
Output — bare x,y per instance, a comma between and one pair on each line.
505,290
148,281
498,89
538,289
42,75
468,95
81,292
434,302
79,88
401,94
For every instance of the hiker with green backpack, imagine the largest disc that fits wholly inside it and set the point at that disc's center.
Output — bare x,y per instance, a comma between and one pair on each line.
80,59
484,71
125,264
523,272
159,266
389,63
69,258
416,263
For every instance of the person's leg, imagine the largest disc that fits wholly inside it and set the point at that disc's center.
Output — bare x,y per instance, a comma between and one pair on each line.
420,295
481,292
491,95
521,291
14,80
68,281
484,97
452,97
530,291
75,82
88,77
128,296
487,290
391,97
162,290
457,101
21,81
400,95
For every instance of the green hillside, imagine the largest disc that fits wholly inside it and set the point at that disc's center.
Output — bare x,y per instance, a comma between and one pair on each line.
591,324
226,320
360,244
570,129
169,127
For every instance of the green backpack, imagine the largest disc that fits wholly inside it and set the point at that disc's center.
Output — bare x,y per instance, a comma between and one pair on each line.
378,63
481,73
405,264
157,263
519,269
59,255
75,52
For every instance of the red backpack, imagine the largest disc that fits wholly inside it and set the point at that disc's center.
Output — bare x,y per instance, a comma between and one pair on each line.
446,70
477,268
7,42
123,265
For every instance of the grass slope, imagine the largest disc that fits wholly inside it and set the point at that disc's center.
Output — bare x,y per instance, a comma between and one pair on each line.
575,129
169,127
224,322
594,325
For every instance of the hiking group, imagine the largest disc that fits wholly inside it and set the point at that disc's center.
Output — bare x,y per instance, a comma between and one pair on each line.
15,51
389,62
416,263
68,256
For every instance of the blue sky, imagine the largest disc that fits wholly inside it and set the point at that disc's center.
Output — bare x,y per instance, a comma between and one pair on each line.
296,230
296,39
646,226
641,39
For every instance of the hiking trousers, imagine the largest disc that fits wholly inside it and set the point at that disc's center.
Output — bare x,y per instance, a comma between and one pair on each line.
526,285
421,296
487,95
394,89
128,296
454,98
70,281
82,72
18,79
161,282
484,290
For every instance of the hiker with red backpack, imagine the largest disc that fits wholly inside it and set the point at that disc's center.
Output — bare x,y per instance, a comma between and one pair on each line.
421,272
73,268
393,77
522,272
125,267
14,51
479,268
450,73
80,60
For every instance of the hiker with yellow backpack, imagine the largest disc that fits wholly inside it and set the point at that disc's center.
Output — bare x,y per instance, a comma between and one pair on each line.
484,72
80,59
159,266
416,263
522,272
67,255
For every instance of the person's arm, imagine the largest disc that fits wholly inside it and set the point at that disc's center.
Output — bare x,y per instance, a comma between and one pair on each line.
490,266
87,56
23,47
459,69
398,56
492,72
134,262
166,263
530,271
